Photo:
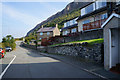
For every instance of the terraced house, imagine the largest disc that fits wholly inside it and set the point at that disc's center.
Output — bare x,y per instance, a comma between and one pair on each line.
99,15
92,16
70,27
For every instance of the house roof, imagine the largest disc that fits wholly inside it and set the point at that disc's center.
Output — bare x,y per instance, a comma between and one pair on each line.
70,26
92,13
112,15
46,29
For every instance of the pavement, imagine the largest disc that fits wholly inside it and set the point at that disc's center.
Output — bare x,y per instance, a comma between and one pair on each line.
33,64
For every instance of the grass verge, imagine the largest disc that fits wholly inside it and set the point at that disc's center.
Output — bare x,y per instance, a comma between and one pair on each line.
90,42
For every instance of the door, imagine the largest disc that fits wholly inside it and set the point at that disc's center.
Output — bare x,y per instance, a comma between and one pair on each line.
113,47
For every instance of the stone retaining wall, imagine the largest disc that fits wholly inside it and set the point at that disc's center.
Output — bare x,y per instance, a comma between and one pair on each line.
94,53
28,46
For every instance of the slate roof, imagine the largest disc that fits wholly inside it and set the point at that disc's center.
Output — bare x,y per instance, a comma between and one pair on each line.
46,29
112,15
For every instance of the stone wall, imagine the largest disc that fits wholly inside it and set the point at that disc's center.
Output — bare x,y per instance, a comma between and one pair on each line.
28,46
42,49
94,52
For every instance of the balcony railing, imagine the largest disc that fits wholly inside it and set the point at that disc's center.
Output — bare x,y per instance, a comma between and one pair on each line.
94,25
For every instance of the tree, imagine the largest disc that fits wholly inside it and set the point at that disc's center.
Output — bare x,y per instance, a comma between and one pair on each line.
9,41
4,40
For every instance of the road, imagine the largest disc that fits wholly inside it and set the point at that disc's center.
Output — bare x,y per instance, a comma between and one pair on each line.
29,64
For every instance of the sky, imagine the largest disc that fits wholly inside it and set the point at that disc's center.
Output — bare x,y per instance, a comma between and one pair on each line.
19,17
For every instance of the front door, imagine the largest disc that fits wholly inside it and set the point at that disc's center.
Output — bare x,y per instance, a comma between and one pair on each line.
113,47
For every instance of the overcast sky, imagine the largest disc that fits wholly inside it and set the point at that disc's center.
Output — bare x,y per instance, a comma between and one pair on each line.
20,17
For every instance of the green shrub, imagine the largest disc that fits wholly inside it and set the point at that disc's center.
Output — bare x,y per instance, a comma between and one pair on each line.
9,41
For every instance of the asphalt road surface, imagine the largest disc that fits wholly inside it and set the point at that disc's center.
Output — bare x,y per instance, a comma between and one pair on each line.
29,64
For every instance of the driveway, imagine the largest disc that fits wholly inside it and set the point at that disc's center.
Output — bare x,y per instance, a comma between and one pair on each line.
30,64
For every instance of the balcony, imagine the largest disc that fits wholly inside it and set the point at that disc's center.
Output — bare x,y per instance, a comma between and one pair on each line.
93,25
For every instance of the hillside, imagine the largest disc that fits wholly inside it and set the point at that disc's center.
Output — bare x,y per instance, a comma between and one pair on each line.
72,10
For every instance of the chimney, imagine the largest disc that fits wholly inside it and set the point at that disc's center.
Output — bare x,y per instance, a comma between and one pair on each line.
57,25
42,26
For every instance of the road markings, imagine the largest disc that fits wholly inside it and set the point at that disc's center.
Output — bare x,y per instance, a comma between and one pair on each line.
7,67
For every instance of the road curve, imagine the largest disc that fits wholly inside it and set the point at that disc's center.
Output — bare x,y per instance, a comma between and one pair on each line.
29,64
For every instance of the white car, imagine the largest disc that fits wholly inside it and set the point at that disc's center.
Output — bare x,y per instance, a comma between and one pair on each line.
8,48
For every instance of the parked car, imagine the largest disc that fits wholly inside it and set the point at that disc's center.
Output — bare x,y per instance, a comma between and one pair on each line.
2,53
8,48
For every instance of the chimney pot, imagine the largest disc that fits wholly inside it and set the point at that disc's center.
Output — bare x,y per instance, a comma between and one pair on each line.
56,25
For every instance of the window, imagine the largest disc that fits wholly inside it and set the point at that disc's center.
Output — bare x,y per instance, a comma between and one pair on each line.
86,21
104,16
64,24
74,30
117,3
41,33
100,4
66,32
74,21
68,23
48,33
98,17
92,7
82,11
87,9
71,22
